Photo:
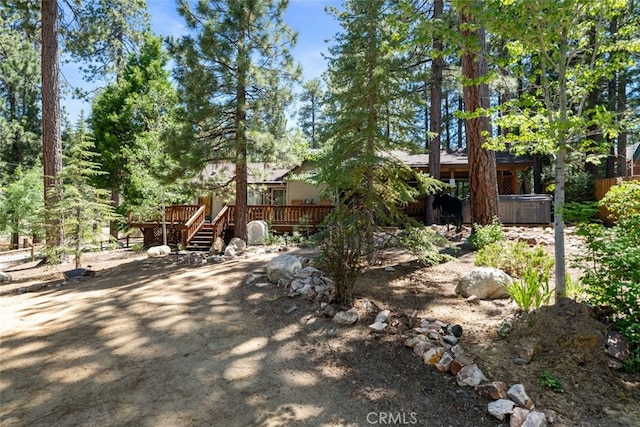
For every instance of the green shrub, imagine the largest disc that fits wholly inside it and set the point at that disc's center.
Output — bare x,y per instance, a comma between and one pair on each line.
514,258
483,235
611,265
547,380
423,242
343,249
532,290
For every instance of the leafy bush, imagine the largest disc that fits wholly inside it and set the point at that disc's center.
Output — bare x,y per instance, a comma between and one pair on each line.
514,258
423,242
532,290
343,248
547,380
483,235
611,265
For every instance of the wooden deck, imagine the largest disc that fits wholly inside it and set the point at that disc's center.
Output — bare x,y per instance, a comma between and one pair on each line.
183,222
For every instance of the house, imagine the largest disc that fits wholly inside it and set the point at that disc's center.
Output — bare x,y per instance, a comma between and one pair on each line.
272,186
268,185
282,197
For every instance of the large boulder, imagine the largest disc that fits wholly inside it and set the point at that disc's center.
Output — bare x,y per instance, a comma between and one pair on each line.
218,246
256,231
158,251
237,244
485,283
283,267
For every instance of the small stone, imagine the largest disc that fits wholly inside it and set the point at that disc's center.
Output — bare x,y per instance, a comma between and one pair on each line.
465,360
412,341
158,251
525,352
444,364
551,416
455,330
504,329
413,318
215,259
5,277
519,396
378,326
450,339
291,309
500,408
432,355
383,316
519,361
470,375
389,269
263,284
614,363
348,317
457,350
535,419
455,367
617,346
421,347
494,390
518,417
473,299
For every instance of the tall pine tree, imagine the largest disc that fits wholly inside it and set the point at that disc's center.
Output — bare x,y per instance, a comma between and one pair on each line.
234,72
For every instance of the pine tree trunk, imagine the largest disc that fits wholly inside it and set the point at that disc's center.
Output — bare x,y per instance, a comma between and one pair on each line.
482,163
435,122
51,143
240,227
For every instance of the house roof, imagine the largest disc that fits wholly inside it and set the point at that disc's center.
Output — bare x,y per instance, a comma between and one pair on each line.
269,173
457,158
257,173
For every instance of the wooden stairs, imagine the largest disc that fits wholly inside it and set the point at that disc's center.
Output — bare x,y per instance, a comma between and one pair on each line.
203,239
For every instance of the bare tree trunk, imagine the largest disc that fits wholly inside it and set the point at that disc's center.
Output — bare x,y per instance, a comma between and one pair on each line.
460,122
482,163
51,143
622,136
435,122
240,228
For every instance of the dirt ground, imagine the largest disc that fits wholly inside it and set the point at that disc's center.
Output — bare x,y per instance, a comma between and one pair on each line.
149,342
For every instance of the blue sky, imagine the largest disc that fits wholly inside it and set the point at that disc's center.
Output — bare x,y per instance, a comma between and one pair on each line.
307,17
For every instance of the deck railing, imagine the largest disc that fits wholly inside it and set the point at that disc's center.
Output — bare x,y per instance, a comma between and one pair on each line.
285,215
182,222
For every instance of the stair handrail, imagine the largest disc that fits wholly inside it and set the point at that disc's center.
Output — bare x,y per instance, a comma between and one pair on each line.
193,225
220,222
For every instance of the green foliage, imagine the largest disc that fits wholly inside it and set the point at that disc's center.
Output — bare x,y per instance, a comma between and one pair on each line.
310,113
515,258
20,118
532,290
623,200
580,212
102,33
483,235
128,118
425,244
82,208
22,203
547,380
343,248
574,288
611,273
